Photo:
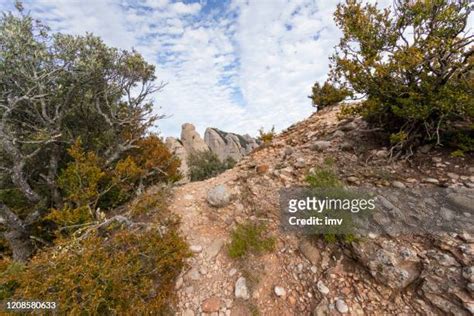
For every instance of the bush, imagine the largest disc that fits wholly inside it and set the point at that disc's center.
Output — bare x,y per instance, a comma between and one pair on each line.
205,164
327,95
324,177
266,137
250,238
413,63
324,184
117,273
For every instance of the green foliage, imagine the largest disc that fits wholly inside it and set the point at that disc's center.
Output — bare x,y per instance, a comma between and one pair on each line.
324,177
413,63
325,184
148,202
205,164
117,274
250,238
74,125
457,154
266,137
327,95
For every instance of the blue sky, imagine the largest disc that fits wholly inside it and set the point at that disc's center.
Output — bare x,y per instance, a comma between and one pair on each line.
237,65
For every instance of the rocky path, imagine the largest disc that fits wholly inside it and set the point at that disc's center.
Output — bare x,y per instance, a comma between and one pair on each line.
206,286
403,275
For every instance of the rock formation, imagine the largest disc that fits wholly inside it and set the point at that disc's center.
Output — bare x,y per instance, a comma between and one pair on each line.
223,144
226,145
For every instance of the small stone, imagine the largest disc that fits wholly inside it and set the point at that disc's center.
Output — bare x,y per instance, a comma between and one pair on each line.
321,145
193,274
383,153
470,287
314,269
353,179
196,248
341,306
211,305
300,163
468,273
279,291
241,290
288,151
338,134
232,272
292,300
431,180
261,169
398,185
322,287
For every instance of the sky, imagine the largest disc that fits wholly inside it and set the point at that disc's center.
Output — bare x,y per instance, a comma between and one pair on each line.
237,65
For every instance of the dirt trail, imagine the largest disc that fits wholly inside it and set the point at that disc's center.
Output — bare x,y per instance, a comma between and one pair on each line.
311,277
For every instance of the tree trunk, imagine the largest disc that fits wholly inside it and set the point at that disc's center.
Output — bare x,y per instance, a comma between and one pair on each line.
21,245
17,234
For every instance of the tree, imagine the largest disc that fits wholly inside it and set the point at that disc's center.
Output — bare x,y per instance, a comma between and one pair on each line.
413,64
327,95
55,89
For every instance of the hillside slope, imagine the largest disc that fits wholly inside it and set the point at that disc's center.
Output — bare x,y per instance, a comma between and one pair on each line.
378,274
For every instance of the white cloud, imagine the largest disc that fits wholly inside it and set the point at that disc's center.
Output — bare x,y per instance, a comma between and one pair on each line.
236,66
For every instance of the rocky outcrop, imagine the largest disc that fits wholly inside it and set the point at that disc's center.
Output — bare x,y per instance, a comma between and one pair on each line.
226,145
223,144
191,139
176,147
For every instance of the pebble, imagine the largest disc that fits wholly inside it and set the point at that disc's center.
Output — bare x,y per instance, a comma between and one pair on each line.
431,180
398,185
341,306
211,305
322,288
241,290
279,291
196,248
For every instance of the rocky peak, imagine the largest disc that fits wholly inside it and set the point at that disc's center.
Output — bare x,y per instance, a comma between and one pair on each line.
223,144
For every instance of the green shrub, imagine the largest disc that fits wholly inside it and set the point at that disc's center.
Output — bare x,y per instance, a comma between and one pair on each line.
324,177
250,238
266,137
397,58
325,185
119,273
327,95
205,164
